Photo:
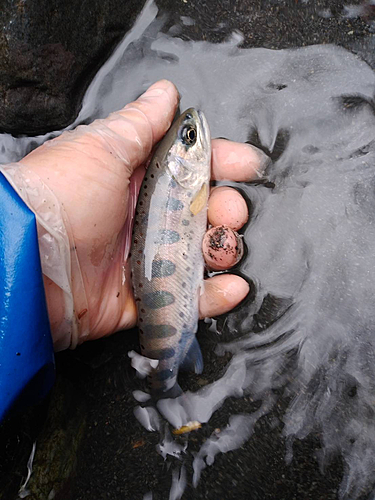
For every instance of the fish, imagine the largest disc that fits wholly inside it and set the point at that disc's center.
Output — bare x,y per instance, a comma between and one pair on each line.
167,265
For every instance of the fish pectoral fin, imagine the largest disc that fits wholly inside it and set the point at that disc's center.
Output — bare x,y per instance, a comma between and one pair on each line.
193,361
199,201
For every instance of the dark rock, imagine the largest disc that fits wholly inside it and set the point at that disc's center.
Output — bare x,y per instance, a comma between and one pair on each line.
49,51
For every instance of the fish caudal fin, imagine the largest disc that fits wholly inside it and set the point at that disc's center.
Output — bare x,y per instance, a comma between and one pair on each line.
193,361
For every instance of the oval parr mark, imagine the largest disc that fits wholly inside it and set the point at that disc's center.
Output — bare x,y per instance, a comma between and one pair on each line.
162,268
173,204
167,353
159,331
167,237
158,299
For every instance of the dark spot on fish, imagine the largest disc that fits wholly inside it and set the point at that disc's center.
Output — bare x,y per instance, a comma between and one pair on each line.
185,222
136,223
183,284
140,320
130,255
137,299
184,256
146,194
157,164
139,262
158,299
141,203
135,242
152,176
140,251
181,314
136,212
188,269
164,374
162,268
166,353
143,311
167,237
173,204
140,285
159,331
145,179
185,296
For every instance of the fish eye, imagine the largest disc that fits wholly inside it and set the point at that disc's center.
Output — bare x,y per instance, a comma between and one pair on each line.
189,135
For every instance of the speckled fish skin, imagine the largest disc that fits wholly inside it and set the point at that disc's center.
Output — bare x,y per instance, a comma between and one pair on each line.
167,260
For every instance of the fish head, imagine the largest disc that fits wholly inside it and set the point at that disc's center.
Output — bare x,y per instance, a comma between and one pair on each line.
189,155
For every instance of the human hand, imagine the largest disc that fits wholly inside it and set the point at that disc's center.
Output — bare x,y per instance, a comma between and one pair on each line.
95,172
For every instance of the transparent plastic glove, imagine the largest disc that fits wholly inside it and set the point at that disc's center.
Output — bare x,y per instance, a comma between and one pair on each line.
83,185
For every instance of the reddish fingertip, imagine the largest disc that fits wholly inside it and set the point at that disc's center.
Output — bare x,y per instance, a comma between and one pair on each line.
222,248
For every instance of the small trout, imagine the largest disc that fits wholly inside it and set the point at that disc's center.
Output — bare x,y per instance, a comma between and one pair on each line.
167,261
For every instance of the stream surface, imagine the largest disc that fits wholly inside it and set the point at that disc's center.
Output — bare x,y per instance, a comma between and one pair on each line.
307,331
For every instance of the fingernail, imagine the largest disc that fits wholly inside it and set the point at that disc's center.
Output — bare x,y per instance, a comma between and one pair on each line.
263,160
161,87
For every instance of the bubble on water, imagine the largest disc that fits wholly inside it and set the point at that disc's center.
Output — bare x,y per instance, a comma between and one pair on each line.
178,484
141,364
169,447
148,417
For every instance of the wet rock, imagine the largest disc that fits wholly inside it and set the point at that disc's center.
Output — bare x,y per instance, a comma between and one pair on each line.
49,51
272,24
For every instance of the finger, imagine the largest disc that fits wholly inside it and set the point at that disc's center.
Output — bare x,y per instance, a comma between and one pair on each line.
131,133
237,161
227,206
221,294
222,248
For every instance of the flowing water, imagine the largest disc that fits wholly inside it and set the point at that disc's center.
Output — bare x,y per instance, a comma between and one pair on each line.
309,329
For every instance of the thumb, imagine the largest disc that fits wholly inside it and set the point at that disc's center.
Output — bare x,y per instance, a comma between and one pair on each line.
133,131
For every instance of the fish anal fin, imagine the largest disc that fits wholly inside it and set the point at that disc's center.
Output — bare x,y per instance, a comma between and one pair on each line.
193,360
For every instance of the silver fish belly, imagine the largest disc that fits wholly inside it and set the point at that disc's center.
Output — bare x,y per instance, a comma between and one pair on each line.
167,260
